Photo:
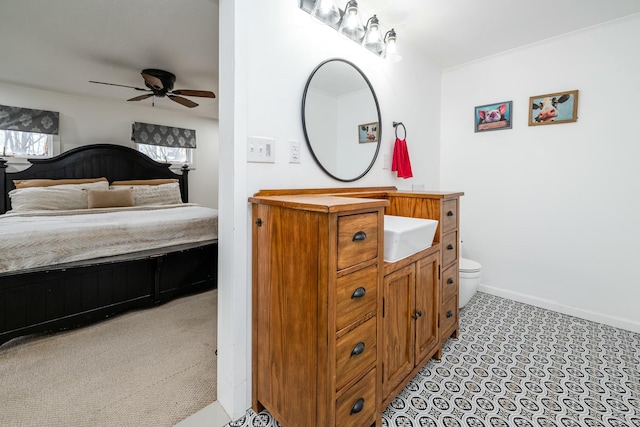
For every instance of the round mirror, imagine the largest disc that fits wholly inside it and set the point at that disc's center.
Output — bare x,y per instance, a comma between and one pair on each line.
341,119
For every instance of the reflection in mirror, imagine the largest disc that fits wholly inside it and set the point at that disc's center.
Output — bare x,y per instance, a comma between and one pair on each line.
341,119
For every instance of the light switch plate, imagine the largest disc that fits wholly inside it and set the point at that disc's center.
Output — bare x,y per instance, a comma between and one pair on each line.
261,150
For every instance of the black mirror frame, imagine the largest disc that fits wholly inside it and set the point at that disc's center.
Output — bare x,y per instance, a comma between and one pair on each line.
304,123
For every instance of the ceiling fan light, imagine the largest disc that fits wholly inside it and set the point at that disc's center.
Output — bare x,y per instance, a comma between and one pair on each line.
326,11
351,26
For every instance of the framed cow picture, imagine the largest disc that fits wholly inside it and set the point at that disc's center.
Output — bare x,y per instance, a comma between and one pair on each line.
493,116
553,108
368,132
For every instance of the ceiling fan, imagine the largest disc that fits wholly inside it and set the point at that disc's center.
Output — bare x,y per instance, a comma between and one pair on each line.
160,84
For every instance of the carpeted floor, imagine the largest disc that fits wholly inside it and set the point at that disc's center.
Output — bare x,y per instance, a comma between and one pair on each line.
518,365
150,367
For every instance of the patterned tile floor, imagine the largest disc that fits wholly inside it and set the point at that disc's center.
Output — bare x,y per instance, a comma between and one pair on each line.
519,365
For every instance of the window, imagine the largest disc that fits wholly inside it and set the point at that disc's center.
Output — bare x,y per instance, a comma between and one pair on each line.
25,144
175,155
165,144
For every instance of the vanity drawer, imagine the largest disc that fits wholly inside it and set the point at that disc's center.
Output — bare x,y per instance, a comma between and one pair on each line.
357,406
449,282
355,352
448,315
449,215
449,248
357,239
356,296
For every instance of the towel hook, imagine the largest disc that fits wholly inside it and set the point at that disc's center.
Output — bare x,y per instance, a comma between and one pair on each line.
396,125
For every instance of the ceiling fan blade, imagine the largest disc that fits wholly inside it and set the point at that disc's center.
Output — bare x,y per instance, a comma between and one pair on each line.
188,92
115,84
152,81
184,101
141,97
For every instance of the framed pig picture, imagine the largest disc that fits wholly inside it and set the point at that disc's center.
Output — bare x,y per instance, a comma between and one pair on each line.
553,108
493,116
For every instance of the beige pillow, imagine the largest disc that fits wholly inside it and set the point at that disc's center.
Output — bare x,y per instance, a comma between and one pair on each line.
110,198
59,197
30,183
158,181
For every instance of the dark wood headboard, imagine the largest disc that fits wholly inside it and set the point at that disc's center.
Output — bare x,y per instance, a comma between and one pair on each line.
114,162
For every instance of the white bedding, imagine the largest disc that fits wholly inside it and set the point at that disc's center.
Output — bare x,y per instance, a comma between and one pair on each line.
45,238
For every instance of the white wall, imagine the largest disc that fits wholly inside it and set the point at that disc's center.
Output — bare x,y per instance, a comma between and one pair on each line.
551,211
94,121
269,50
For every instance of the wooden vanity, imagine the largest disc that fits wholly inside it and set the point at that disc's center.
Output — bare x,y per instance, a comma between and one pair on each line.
337,331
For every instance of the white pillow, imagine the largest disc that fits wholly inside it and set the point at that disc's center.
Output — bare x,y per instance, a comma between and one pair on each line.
164,194
57,197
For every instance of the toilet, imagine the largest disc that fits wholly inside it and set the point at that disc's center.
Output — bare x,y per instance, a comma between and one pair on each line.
469,280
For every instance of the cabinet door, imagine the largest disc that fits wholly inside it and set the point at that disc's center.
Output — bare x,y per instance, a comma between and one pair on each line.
398,327
426,305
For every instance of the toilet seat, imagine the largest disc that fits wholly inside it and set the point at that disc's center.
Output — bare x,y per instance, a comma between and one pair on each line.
469,266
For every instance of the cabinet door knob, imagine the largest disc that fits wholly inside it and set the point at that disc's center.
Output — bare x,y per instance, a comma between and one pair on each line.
358,293
359,236
358,349
450,213
449,313
358,406
450,281
419,313
449,246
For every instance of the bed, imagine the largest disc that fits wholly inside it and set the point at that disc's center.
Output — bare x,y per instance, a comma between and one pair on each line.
45,287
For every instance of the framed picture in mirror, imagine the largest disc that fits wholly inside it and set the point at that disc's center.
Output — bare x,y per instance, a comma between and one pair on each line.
368,132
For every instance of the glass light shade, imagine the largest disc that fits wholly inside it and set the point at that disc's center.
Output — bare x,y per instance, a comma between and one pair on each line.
373,39
351,26
326,11
391,47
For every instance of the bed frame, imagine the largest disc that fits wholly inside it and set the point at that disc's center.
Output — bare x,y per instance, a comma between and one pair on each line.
75,294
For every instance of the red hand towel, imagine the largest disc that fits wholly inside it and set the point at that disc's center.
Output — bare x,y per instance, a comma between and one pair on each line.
401,161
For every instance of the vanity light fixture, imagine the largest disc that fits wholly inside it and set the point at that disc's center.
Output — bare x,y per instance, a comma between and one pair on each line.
348,23
326,11
372,38
390,47
351,25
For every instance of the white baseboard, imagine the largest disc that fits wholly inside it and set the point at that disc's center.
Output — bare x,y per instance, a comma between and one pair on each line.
211,416
616,322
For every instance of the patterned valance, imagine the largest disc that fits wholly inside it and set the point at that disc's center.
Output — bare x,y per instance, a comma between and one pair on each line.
167,136
28,120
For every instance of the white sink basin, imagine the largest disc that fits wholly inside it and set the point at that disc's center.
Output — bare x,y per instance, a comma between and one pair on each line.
404,236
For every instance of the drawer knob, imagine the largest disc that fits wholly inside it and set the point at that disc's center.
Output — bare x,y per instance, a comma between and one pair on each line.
358,349
450,213
358,406
449,313
450,281
359,236
449,246
358,293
